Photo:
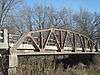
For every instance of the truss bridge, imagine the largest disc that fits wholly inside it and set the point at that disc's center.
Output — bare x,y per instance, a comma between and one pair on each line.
52,41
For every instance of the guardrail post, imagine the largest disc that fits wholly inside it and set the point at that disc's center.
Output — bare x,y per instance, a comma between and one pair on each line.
5,36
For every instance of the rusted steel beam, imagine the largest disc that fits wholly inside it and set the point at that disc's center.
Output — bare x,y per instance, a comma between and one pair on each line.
17,44
57,29
46,41
96,47
60,42
41,40
63,43
42,30
57,42
34,43
86,42
60,29
73,43
91,46
81,43
72,32
71,40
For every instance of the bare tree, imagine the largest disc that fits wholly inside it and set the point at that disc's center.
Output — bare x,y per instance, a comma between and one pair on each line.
46,16
65,16
87,23
39,16
5,7
24,20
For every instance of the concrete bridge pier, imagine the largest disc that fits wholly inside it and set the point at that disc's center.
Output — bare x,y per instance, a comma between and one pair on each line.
13,63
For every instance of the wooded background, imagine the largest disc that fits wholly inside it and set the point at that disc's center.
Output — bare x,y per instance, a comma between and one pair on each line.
18,16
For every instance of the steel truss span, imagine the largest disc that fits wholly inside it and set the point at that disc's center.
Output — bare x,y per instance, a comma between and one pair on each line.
54,41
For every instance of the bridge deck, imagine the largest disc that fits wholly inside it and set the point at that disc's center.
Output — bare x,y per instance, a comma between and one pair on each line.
26,49
52,53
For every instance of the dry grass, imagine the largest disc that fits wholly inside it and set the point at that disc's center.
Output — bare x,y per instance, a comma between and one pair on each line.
28,70
44,66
